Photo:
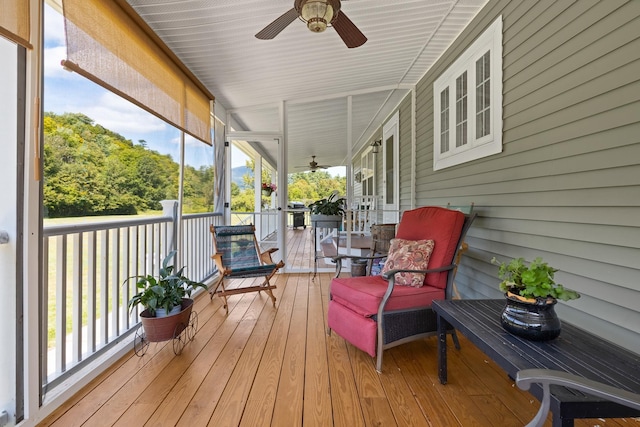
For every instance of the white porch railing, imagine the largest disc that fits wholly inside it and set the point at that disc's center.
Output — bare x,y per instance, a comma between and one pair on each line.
363,213
84,308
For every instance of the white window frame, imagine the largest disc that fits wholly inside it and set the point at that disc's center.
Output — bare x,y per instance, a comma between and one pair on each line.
367,170
489,41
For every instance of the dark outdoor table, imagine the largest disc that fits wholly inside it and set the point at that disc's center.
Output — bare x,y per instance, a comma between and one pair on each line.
575,351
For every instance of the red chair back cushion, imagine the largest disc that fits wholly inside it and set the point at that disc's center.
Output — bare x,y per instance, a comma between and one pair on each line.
443,226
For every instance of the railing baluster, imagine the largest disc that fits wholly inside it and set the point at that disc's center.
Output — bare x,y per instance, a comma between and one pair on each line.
76,318
44,312
92,315
125,261
115,282
104,288
61,303
135,263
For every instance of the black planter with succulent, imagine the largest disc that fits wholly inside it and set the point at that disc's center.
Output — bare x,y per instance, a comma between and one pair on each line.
327,212
531,295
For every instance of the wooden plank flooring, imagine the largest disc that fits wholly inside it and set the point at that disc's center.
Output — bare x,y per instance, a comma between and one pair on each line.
261,366
266,366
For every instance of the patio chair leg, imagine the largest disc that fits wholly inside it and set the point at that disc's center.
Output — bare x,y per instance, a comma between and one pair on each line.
379,362
221,294
214,288
268,289
226,305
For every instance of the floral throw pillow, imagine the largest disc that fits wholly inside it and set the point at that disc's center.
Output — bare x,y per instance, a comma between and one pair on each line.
409,255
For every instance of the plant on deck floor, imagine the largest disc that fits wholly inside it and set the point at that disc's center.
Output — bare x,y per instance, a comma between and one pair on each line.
166,291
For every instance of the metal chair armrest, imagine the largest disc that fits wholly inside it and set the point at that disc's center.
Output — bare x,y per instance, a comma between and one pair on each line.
548,377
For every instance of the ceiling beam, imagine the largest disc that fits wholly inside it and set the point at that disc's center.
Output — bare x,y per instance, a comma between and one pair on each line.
326,97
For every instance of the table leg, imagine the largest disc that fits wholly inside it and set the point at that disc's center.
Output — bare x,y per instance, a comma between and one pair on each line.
442,349
557,421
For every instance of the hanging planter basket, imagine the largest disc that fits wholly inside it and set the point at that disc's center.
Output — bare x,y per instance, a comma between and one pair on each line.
267,191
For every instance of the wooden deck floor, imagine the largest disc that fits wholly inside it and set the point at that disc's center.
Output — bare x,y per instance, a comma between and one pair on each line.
300,249
266,366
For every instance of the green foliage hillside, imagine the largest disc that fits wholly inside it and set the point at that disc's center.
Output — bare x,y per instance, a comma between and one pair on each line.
90,170
303,187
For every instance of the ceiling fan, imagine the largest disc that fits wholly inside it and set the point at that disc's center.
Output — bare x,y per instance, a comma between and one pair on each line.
318,14
313,165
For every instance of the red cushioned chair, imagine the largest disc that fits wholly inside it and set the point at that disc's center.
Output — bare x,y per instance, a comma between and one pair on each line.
374,313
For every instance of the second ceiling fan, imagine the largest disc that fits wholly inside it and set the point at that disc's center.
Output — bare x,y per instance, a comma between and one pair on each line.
314,166
318,14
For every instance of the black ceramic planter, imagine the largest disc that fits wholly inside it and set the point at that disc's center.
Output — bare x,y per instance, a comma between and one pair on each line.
535,321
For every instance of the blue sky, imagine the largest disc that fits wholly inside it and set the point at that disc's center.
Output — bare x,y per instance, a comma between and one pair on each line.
68,92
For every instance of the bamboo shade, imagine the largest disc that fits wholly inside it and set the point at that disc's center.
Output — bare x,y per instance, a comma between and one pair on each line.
14,21
108,43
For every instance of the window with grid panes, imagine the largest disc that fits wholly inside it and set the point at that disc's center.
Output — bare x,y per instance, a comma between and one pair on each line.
468,103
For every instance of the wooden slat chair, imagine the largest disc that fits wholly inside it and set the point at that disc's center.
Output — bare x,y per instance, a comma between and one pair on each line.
238,256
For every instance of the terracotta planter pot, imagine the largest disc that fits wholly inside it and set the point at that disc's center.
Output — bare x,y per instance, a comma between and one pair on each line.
158,329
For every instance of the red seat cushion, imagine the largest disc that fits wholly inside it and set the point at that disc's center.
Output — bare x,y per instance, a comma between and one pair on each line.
443,226
364,294
356,329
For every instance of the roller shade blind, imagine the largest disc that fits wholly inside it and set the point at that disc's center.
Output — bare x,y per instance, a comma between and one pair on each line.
14,21
108,43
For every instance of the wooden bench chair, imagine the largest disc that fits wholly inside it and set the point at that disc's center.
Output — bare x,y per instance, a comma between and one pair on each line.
238,256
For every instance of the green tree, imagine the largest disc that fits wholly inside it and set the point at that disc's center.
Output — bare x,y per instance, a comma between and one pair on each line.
90,170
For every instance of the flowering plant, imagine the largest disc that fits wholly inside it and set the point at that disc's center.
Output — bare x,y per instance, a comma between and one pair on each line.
269,186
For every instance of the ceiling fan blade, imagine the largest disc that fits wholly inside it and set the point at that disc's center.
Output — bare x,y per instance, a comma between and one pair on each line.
273,29
348,32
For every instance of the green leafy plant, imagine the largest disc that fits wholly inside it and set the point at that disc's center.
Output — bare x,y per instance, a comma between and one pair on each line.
332,205
531,281
166,291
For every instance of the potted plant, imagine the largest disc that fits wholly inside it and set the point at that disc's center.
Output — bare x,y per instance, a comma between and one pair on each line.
328,212
161,296
268,188
531,293
166,300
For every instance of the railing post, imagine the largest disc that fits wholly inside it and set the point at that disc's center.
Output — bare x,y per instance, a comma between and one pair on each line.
170,209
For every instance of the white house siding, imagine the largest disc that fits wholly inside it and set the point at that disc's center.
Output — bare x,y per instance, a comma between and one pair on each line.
567,184
404,118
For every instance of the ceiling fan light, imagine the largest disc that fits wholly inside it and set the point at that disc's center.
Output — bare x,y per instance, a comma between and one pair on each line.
317,14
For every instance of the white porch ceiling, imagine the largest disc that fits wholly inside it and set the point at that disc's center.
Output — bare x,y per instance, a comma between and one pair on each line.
313,74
